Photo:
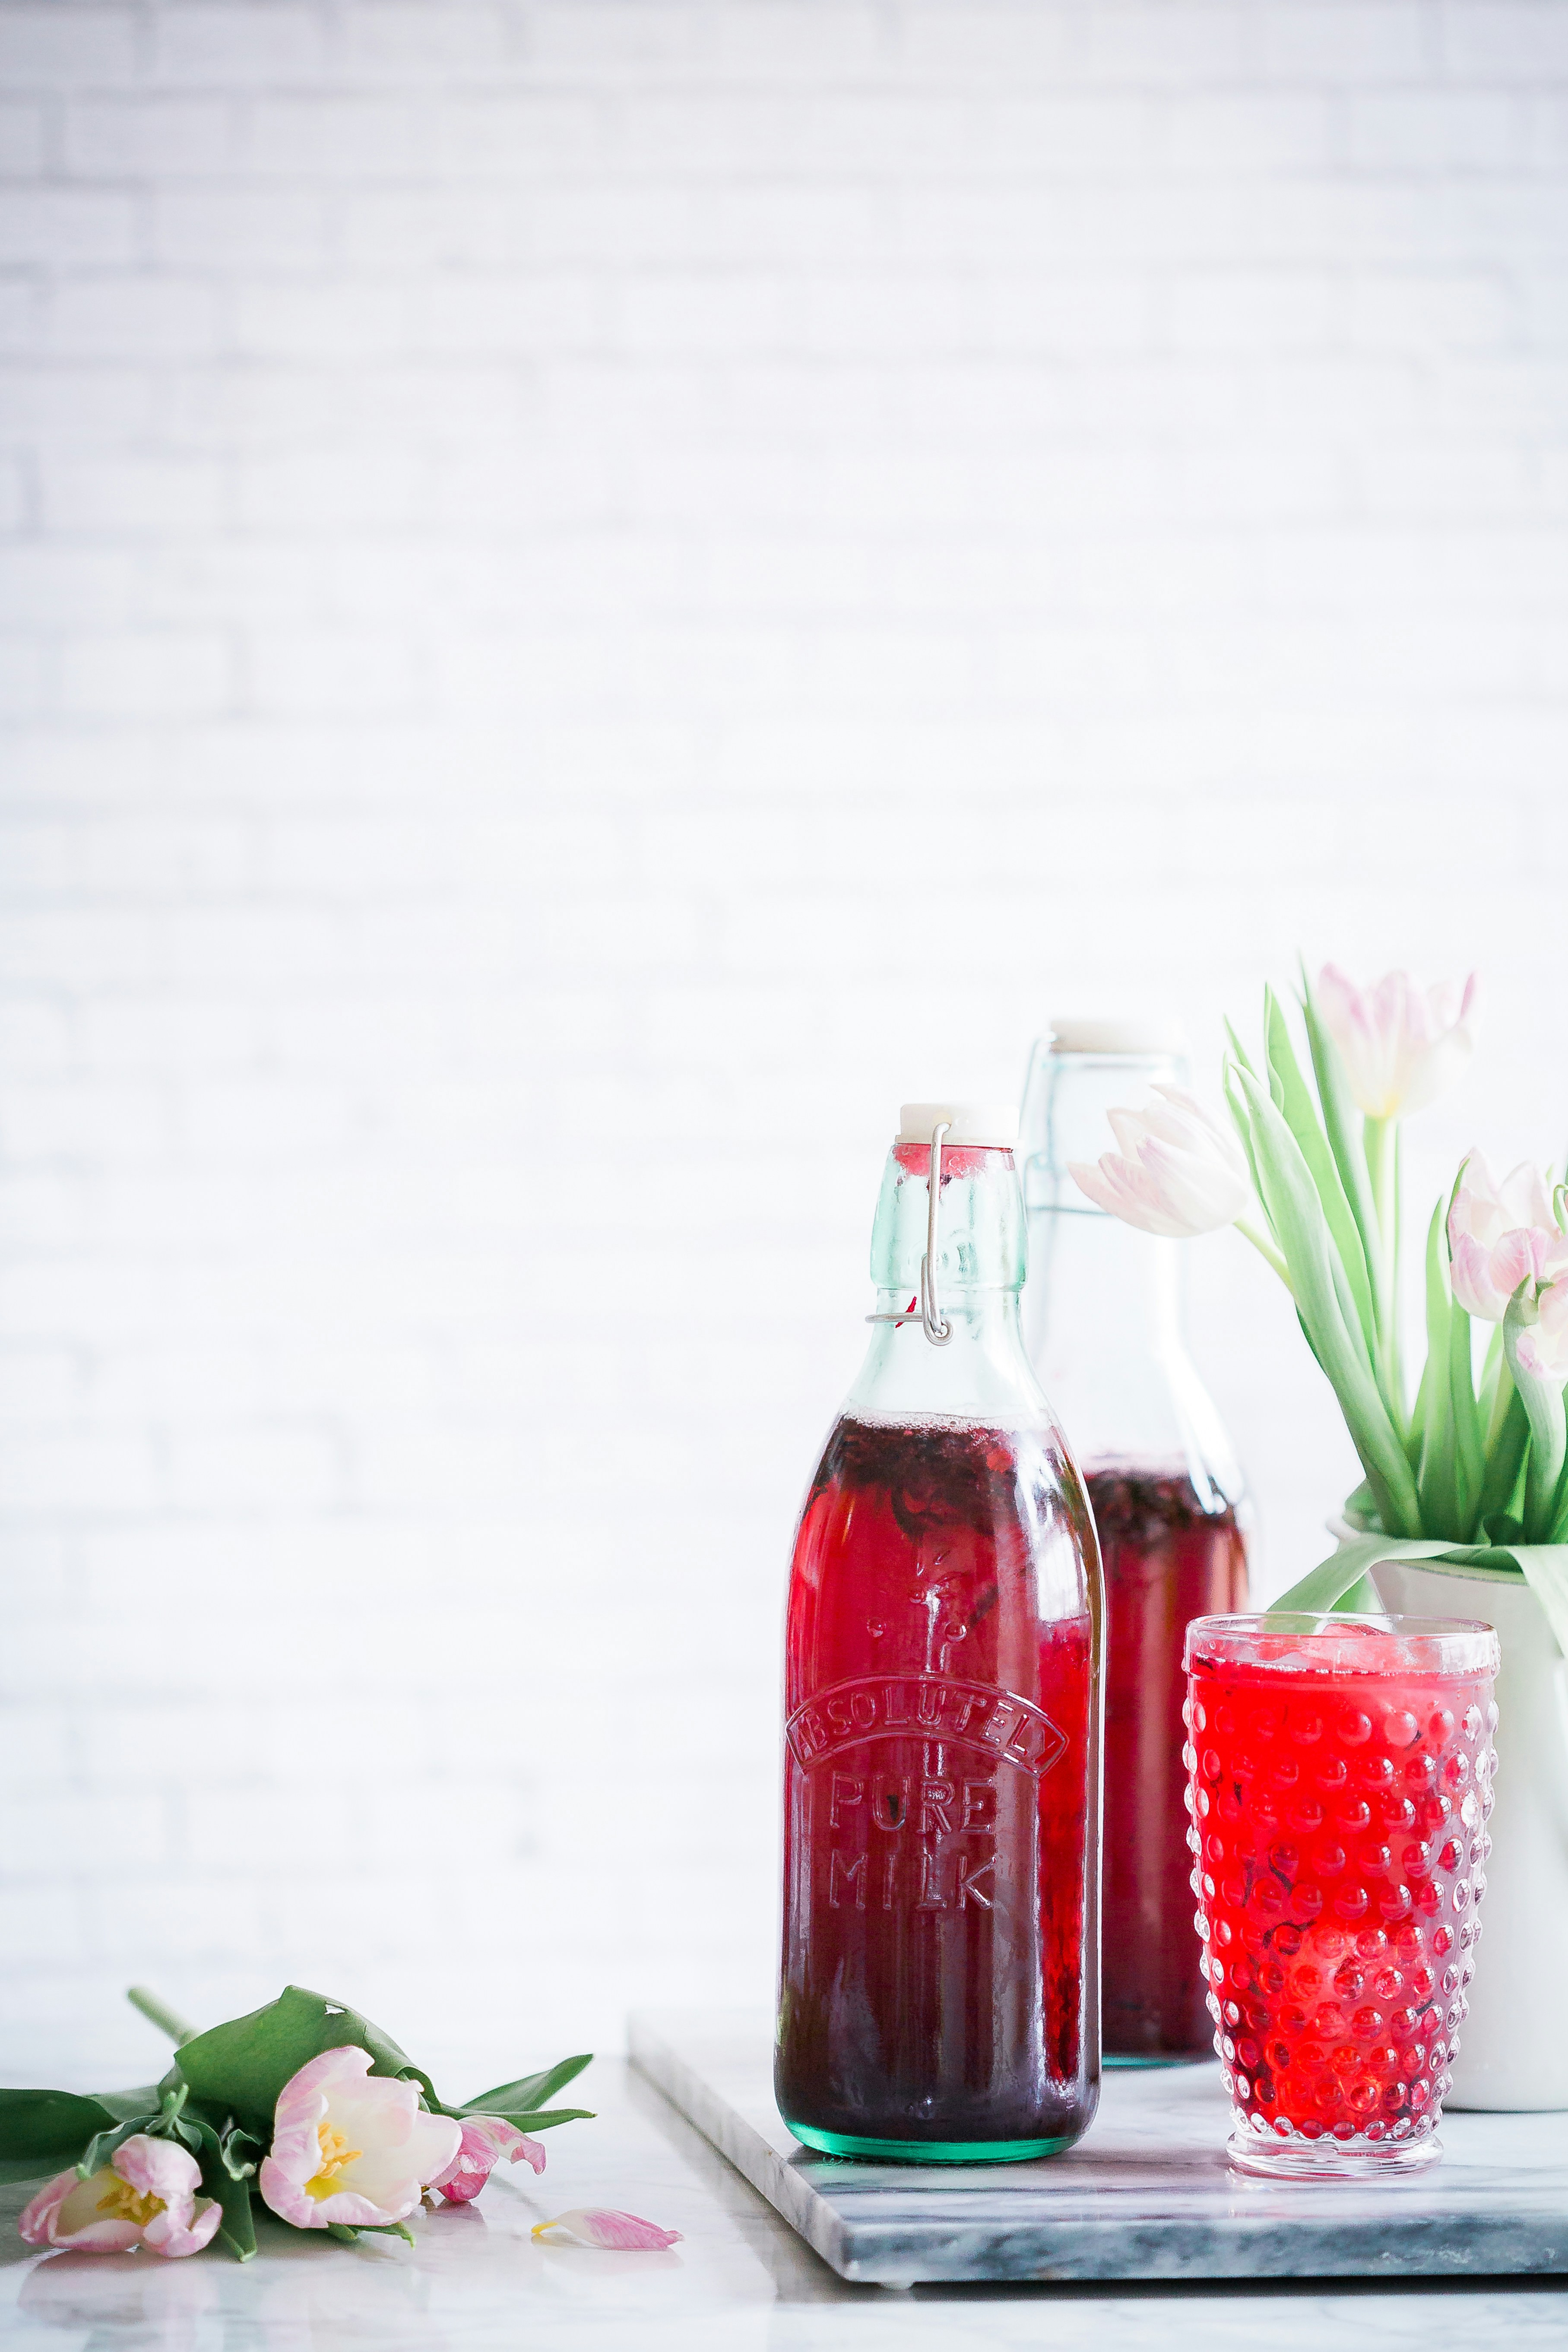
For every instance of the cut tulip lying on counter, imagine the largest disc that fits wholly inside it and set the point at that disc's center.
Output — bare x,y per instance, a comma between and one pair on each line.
304,2102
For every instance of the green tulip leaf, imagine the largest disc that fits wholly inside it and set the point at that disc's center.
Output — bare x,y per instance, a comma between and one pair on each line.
42,2132
524,2119
1241,1118
1470,1460
228,2181
103,2144
1436,1480
1494,1369
1458,1371
1289,1091
240,2067
1506,1451
1341,1583
1341,1125
1360,1507
1337,1582
1238,1051
1545,1568
1331,1586
1548,1429
528,2093
1296,1214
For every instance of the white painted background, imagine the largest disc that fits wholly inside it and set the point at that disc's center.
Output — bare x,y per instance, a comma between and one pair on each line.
592,594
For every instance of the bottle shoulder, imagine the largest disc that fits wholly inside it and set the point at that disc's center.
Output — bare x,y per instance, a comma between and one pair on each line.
942,1480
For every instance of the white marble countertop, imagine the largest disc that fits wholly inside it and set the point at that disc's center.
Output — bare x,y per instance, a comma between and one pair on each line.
741,2281
1147,2193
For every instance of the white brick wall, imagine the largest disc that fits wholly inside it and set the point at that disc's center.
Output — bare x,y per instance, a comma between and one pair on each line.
591,593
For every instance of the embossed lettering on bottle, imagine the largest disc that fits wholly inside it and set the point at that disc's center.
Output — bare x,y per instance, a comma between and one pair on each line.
923,1839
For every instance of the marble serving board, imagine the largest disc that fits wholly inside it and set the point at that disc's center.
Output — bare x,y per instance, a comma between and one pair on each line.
1146,2194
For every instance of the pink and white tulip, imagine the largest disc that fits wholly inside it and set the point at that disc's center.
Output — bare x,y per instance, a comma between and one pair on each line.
624,2234
1401,1048
144,2196
1179,1171
1543,1346
351,2146
485,2140
1501,1234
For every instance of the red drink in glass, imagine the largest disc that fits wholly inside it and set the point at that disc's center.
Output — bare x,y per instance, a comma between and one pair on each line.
939,1799
1340,1783
1166,1560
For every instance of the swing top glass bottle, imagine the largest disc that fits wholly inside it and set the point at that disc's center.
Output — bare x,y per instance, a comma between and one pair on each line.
938,1994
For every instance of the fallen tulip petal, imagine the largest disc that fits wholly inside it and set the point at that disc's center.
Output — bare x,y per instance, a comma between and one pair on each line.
485,2140
594,2226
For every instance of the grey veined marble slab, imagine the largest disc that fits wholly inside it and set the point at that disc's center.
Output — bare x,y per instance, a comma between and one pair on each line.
1146,2194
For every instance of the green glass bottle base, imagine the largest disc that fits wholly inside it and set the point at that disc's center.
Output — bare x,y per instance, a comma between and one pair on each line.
927,2151
1161,2058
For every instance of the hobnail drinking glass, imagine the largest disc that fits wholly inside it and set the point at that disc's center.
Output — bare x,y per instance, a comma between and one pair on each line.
1339,1781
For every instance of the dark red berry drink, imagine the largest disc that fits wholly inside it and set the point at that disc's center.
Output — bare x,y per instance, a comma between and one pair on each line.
937,1997
1340,1784
1167,1560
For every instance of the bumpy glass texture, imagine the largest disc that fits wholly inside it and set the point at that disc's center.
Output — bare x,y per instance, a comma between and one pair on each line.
1339,1842
940,1780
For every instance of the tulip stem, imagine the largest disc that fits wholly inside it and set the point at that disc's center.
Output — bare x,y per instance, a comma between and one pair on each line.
1381,1137
159,2014
1266,1250
1382,1141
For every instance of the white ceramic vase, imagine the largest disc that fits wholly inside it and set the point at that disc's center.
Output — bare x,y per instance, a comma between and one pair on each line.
1513,2052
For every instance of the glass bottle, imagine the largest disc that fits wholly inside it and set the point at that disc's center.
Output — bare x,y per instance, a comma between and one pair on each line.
938,1996
1102,1323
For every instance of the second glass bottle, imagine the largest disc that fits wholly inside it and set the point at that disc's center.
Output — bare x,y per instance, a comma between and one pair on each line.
1103,1326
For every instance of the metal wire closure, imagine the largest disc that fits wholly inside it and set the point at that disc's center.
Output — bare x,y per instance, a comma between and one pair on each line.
934,1322
938,1329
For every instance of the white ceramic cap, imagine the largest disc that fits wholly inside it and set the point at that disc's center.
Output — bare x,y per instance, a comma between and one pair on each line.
1096,1036
993,1124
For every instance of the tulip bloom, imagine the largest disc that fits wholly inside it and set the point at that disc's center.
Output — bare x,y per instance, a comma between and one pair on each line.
1501,1234
144,2196
624,2234
1179,1171
1543,1346
485,2140
351,2146
1401,1049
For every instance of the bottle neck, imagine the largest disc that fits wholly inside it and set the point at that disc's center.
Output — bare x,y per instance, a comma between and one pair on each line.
1102,1315
1103,1310
981,1369
1111,1292
982,1372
